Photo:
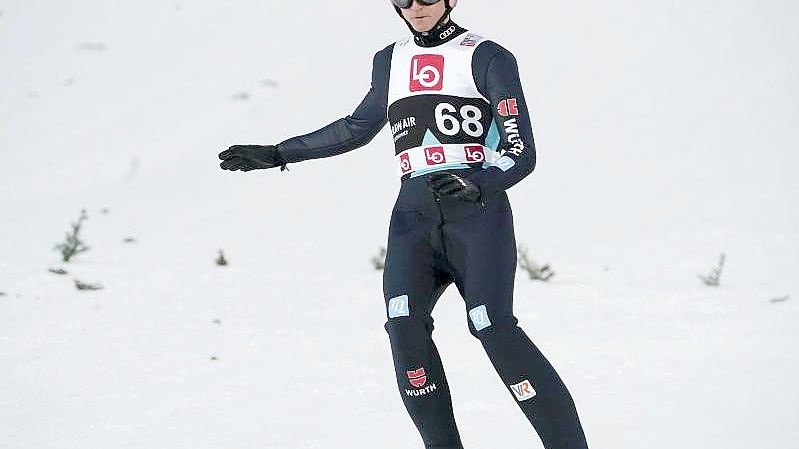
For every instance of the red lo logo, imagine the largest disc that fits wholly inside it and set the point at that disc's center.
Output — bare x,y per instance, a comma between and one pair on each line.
405,163
508,107
427,72
417,378
435,155
474,153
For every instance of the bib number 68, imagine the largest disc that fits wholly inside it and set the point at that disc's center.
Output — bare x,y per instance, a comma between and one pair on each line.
450,125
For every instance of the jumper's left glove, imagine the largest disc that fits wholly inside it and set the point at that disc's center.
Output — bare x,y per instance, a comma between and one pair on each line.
251,157
451,185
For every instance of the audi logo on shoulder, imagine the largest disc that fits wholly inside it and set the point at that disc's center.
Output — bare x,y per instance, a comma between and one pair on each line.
447,33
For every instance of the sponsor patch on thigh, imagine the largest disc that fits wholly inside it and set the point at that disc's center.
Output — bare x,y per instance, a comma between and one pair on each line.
398,306
479,316
523,390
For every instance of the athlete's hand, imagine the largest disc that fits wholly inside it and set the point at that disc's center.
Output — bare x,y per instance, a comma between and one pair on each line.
452,185
251,157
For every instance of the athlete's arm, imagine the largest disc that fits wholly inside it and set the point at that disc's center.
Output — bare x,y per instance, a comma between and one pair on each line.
352,131
497,77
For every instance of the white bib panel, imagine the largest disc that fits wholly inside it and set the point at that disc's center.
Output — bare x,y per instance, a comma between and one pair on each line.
438,117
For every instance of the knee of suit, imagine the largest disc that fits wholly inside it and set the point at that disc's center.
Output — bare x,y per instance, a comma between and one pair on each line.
408,326
483,326
402,319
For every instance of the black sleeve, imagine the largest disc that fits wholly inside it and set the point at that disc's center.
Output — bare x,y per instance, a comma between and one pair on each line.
352,131
497,77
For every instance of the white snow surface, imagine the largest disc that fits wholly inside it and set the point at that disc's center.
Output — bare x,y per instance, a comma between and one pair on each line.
666,135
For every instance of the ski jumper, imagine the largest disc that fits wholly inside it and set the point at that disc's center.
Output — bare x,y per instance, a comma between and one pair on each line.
456,106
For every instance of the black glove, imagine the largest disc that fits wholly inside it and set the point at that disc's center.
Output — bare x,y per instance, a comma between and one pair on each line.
251,157
452,185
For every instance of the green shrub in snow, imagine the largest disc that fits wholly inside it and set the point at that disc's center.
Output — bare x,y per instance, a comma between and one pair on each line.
713,279
72,244
534,271
220,260
379,261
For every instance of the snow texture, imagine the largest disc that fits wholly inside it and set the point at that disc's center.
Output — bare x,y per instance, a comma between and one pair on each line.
666,135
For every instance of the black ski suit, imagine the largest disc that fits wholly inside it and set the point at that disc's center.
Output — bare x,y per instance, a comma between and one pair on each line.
433,242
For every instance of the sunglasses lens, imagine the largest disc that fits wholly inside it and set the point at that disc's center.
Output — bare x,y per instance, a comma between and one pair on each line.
407,3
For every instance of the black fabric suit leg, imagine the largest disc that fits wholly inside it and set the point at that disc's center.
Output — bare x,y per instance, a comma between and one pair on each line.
412,284
481,248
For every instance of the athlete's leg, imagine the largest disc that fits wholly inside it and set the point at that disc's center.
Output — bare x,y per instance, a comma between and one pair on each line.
411,285
482,250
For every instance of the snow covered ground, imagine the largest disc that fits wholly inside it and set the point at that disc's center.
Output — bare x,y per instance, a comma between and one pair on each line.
666,135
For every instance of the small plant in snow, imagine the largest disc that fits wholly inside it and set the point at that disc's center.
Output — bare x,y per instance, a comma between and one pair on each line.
379,261
133,170
269,83
714,278
241,96
72,244
59,271
781,299
220,260
129,240
535,272
86,286
92,46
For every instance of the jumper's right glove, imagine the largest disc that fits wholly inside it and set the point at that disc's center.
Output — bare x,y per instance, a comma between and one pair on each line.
450,184
251,157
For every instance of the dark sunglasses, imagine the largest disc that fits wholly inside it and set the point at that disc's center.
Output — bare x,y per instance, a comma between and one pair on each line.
403,4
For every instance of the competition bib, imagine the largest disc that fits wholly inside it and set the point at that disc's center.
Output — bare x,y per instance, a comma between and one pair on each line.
437,116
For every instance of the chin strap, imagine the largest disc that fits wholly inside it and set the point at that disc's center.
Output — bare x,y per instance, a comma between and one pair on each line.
422,35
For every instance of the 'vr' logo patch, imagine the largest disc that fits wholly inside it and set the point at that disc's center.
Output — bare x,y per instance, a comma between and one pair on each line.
479,316
523,390
398,306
